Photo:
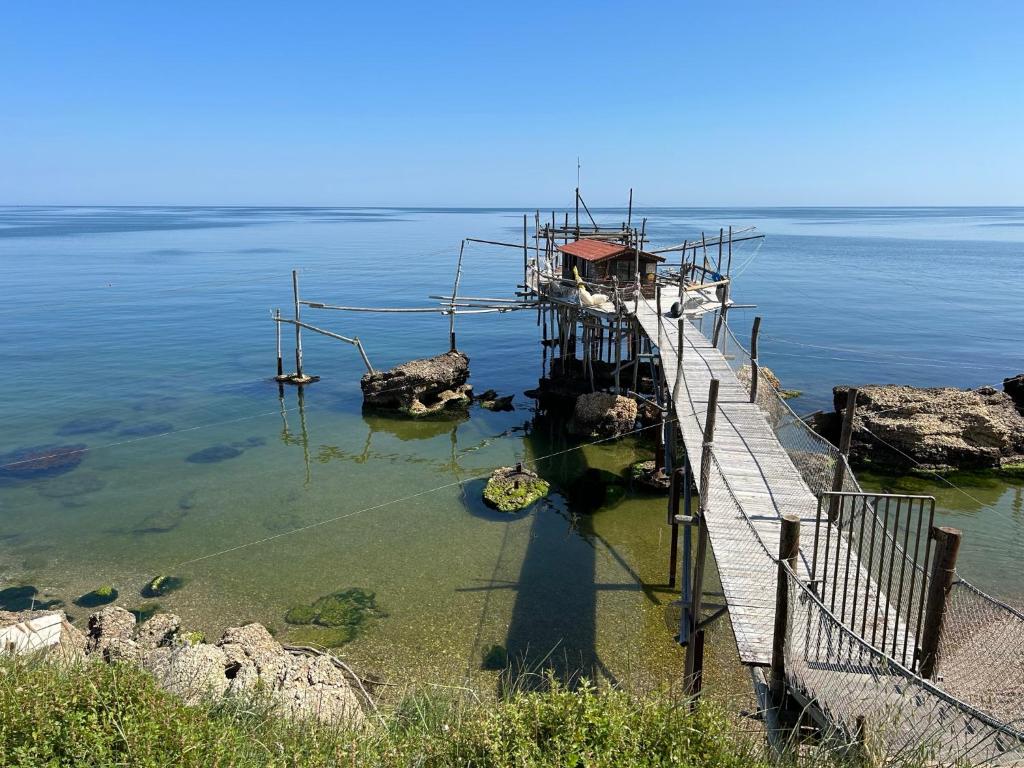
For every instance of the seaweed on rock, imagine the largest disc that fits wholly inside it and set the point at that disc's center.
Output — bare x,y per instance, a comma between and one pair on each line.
333,620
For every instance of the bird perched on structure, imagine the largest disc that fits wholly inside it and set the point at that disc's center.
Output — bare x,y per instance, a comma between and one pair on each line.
588,299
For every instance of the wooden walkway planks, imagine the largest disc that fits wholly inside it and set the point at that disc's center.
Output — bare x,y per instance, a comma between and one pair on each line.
753,469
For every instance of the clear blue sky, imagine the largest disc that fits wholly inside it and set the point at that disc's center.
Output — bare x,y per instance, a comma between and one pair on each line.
741,103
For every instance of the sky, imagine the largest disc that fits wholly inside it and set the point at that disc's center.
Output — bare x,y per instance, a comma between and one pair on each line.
490,104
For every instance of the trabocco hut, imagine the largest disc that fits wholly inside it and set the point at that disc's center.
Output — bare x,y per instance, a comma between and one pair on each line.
598,261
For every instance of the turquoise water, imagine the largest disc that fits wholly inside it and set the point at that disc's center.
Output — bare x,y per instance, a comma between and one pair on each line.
143,334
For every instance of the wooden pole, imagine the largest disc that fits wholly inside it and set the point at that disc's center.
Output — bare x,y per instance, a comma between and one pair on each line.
728,269
694,660
845,438
577,213
721,235
723,312
789,551
629,216
674,494
298,328
280,362
754,368
525,281
947,546
455,293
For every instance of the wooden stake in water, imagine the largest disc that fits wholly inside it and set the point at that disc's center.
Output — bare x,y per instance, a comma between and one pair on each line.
277,323
455,293
298,328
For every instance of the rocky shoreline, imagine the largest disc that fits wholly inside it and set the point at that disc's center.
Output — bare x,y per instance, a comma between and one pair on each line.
941,429
246,660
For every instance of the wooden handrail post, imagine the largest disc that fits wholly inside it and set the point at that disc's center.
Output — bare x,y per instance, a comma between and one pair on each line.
845,438
679,363
789,550
723,313
754,367
947,546
693,669
298,328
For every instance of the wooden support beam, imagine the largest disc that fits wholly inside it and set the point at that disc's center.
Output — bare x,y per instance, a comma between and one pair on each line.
674,493
947,546
693,669
789,551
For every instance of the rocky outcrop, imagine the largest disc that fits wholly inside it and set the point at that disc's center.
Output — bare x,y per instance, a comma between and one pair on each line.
511,489
1014,387
245,660
420,387
941,428
603,415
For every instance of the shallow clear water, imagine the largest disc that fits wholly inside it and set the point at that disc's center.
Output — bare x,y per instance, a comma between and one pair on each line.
144,334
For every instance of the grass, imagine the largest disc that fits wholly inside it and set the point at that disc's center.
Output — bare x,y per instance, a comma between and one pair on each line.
94,714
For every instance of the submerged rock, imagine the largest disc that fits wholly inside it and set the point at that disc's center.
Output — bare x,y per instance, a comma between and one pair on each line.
99,596
603,415
940,428
650,475
333,620
213,454
492,402
87,426
162,585
511,489
40,461
420,387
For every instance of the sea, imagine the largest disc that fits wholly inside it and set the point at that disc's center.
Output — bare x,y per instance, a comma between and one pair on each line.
143,435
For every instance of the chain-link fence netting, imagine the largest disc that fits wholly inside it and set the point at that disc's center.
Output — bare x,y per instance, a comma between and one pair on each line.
857,668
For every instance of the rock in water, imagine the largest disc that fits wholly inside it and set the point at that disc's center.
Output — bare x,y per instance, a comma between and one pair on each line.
603,415
1014,387
511,489
940,428
420,387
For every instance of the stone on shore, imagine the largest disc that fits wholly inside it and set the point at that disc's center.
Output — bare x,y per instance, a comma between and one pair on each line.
420,387
938,428
511,489
603,415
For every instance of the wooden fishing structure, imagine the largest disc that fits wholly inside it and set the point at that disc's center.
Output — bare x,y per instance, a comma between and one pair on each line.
846,606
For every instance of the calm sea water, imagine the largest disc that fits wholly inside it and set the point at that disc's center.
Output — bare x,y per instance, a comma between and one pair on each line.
144,334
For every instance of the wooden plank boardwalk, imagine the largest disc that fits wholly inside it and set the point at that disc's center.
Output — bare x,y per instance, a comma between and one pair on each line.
752,467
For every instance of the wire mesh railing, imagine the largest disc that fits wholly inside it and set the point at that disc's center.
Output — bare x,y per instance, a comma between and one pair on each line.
859,671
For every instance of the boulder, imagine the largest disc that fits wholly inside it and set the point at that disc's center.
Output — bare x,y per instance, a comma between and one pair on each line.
313,686
603,415
511,489
649,475
193,672
420,387
939,428
253,655
111,625
160,630
1014,387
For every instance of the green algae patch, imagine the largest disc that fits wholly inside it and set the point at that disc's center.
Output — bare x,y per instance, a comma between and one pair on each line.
511,489
332,620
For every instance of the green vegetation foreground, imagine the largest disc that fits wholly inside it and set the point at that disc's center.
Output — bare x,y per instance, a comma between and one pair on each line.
95,714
